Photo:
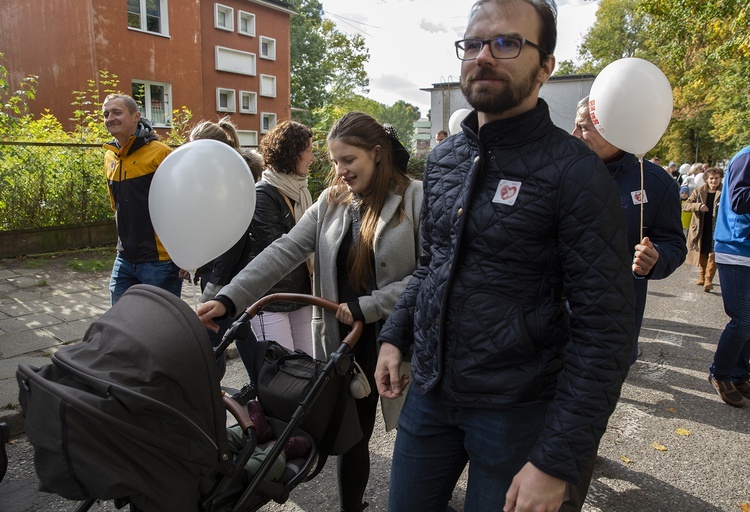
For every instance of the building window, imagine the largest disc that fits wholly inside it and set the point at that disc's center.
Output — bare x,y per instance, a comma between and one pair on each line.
248,138
268,85
267,121
245,23
225,100
149,16
235,61
267,48
248,102
154,101
223,17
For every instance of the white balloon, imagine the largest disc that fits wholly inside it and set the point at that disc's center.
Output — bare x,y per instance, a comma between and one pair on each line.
685,168
631,105
201,201
699,180
454,123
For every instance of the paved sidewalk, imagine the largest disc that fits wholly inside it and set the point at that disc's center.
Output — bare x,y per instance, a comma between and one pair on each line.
670,446
43,306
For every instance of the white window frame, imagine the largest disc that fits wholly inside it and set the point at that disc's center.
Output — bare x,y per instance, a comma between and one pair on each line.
231,100
147,108
228,17
253,107
235,61
163,18
271,54
266,82
248,138
250,17
267,121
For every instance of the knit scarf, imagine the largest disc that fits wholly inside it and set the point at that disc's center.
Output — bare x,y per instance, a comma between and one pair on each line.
294,187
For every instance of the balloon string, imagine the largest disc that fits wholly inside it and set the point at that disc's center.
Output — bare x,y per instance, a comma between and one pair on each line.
195,296
196,290
640,159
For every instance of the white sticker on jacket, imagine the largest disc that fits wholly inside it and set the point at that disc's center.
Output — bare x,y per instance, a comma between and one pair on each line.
507,192
636,196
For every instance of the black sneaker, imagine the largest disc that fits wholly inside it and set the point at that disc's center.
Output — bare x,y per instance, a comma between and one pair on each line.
244,395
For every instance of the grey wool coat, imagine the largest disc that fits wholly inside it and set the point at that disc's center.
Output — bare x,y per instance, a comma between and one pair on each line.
321,231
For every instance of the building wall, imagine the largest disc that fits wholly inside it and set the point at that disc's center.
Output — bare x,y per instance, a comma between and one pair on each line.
61,54
66,42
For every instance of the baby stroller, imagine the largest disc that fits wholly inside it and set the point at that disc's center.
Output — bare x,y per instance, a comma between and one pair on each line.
135,413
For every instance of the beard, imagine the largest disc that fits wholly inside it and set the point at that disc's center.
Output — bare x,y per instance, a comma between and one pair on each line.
498,97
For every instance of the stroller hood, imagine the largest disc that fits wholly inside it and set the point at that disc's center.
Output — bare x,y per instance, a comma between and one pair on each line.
134,410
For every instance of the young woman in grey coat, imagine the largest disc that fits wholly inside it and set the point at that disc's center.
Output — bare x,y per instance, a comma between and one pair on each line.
364,234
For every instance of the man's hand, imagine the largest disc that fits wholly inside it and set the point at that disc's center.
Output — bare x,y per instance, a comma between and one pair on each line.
390,383
533,490
645,257
210,310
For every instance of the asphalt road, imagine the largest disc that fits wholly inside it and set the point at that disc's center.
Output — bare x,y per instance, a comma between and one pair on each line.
671,445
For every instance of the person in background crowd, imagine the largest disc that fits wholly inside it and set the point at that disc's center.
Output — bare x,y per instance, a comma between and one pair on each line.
441,135
364,233
673,171
217,273
282,197
658,251
130,163
686,216
703,202
656,160
730,371
519,218
661,249
254,160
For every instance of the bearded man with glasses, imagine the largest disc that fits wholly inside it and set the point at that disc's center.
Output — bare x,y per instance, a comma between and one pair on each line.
519,218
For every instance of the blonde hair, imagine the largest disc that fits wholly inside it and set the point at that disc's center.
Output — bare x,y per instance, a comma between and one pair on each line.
224,131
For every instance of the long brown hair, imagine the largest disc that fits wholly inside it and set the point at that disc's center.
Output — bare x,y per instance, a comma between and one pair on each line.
363,131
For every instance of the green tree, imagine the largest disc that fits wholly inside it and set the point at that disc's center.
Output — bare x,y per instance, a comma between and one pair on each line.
618,32
327,65
705,49
566,67
402,116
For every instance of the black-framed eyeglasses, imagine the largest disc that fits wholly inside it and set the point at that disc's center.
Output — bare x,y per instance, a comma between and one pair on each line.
501,47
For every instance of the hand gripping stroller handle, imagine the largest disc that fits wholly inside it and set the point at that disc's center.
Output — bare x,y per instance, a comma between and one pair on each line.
301,298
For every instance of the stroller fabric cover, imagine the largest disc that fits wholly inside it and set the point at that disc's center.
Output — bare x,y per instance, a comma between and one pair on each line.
135,410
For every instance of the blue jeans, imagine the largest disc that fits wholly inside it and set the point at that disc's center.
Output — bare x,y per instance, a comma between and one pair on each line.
125,274
732,356
435,441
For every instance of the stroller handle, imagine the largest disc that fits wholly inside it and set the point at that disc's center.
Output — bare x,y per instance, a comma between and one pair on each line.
301,298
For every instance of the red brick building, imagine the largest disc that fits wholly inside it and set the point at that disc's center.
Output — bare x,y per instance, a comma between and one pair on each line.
215,58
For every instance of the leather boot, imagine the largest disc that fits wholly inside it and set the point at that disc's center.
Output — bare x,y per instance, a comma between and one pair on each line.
702,262
710,273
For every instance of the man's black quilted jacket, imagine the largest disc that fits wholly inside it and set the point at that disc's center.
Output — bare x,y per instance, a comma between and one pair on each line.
486,308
